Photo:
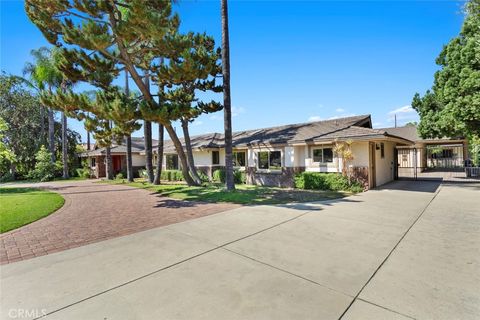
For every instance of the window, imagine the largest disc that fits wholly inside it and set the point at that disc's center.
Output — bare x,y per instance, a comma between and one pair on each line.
171,162
269,160
323,155
215,157
382,150
239,159
93,162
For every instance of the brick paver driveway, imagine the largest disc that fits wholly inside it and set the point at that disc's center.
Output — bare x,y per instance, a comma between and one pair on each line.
94,212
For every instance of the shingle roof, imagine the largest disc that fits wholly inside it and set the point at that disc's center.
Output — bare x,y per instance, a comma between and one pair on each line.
407,132
348,127
138,145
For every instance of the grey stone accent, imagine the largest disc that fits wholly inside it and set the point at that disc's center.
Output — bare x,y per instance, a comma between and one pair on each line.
283,178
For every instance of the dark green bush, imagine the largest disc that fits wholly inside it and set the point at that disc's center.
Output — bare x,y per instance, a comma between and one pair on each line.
119,176
326,181
219,175
7,177
240,177
171,175
44,170
203,176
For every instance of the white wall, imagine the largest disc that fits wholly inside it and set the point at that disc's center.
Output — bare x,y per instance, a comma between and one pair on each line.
138,160
289,157
299,156
384,167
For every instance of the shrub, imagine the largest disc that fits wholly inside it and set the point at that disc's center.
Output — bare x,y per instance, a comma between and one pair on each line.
203,177
7,177
240,177
219,175
44,170
326,181
142,173
83,172
171,175
119,176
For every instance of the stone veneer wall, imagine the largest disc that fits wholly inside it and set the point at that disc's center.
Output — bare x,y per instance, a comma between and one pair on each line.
283,179
208,170
361,175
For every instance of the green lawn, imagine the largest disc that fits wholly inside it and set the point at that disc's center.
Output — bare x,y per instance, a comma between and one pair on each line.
244,194
21,206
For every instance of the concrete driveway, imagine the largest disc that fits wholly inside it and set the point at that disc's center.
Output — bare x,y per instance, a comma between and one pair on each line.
408,251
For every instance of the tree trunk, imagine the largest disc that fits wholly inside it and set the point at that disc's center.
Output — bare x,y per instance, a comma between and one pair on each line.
227,107
43,139
64,146
147,130
129,139
108,163
158,174
88,140
188,148
129,159
181,155
51,134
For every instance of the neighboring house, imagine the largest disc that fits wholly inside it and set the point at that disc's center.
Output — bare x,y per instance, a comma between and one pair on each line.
96,158
425,154
272,156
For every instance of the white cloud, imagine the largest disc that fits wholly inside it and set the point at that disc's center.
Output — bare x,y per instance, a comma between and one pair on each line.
377,124
237,111
403,114
314,118
197,123
404,109
339,110
342,116
217,116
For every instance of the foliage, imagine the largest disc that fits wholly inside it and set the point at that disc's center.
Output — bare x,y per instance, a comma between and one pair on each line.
326,181
6,155
203,177
452,106
240,177
83,172
119,176
7,177
243,194
44,170
343,150
171,175
19,108
219,175
21,206
474,145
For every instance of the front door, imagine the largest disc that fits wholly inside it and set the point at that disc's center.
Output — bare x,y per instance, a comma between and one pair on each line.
372,168
117,163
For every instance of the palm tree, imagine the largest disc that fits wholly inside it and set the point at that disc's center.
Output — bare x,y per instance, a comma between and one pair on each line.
44,76
227,104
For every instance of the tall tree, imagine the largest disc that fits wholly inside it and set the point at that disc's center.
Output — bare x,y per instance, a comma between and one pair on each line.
452,107
44,76
147,136
128,138
227,103
102,38
158,173
193,69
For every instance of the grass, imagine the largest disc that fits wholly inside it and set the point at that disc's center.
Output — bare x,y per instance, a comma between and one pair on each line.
21,206
244,194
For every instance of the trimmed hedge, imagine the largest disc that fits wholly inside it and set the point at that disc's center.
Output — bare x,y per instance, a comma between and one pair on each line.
238,176
171,175
326,181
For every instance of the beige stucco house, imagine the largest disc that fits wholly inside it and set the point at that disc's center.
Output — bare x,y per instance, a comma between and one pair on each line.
272,156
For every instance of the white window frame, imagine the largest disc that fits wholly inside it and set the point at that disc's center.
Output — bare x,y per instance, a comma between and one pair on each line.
246,157
323,157
269,152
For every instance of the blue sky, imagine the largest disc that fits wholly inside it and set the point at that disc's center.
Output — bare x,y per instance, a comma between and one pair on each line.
295,61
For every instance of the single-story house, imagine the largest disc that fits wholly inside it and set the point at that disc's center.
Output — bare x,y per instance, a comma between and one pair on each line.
272,156
96,158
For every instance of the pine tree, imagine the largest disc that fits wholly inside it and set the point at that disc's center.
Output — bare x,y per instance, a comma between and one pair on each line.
100,39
